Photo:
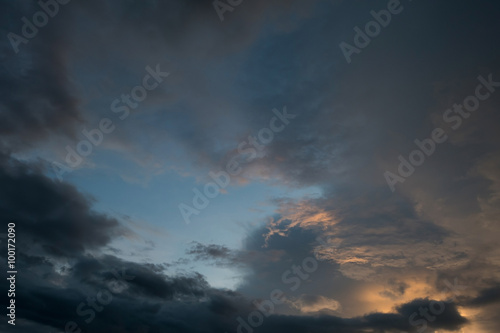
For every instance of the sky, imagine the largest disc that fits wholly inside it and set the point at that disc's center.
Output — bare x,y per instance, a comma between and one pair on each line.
238,166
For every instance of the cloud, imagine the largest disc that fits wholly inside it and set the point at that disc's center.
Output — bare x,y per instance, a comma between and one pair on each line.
205,252
37,99
486,297
386,248
136,307
314,303
448,319
54,217
60,276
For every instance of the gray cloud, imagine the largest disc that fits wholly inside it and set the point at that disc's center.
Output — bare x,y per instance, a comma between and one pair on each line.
55,217
37,97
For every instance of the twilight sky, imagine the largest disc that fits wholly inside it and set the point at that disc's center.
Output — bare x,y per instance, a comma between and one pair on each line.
238,166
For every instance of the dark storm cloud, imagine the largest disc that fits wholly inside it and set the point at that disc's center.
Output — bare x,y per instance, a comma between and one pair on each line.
137,293
47,304
383,322
142,280
486,297
55,217
50,304
448,319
